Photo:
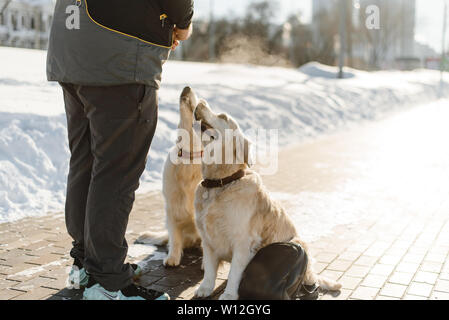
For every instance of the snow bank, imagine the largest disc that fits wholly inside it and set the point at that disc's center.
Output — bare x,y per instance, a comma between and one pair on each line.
300,103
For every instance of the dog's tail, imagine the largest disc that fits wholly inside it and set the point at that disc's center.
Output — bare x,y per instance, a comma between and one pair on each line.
311,278
154,238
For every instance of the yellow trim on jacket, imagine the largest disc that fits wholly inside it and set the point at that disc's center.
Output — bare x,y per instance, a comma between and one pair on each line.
124,34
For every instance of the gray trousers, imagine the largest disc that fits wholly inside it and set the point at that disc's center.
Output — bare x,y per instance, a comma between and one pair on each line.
110,130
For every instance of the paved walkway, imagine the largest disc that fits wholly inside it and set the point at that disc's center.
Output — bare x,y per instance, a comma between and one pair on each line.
385,184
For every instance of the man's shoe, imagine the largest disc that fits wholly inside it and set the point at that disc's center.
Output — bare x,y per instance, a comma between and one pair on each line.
137,271
79,278
131,292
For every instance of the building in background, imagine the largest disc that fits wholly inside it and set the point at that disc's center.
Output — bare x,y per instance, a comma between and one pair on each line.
25,23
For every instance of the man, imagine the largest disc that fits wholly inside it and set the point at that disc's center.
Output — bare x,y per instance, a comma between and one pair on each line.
108,56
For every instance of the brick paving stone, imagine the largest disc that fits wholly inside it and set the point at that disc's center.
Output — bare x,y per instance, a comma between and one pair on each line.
420,289
36,294
393,290
374,281
147,280
31,284
431,266
399,277
45,251
43,259
413,297
382,269
439,249
18,268
5,270
172,280
350,282
14,254
386,298
342,295
57,284
413,258
358,271
399,252
325,257
444,276
442,285
437,295
8,294
319,266
188,293
402,244
36,246
418,250
366,261
426,277
436,257
5,284
349,255
409,267
334,275
339,265
364,293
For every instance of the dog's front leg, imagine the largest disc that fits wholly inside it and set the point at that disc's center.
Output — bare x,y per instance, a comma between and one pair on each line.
240,260
174,245
210,263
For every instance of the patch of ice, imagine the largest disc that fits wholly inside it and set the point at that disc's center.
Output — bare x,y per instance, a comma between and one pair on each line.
31,271
140,250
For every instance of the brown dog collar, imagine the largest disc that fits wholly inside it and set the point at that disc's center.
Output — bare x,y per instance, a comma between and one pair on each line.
210,184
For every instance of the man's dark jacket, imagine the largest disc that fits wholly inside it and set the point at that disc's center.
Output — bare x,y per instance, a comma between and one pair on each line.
117,42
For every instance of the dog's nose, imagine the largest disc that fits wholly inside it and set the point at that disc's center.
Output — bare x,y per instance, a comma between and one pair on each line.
186,91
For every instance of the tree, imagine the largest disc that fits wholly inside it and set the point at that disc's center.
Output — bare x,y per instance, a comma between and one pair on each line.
381,42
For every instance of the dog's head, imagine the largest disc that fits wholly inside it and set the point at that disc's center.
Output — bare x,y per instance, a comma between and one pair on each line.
187,104
223,129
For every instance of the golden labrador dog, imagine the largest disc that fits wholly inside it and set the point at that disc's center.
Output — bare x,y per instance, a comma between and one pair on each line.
233,211
182,173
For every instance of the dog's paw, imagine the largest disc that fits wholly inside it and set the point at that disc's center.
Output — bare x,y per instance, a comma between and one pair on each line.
172,261
227,296
204,291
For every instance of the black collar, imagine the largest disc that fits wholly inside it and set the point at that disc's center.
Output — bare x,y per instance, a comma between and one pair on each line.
210,184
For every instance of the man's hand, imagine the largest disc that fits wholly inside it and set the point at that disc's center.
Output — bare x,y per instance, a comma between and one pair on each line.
181,35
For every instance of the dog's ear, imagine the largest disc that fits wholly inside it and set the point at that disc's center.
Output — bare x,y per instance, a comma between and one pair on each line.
247,153
223,116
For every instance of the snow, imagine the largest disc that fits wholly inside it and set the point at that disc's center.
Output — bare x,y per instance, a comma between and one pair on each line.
302,104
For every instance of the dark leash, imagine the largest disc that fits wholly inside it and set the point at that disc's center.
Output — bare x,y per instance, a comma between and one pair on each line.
310,292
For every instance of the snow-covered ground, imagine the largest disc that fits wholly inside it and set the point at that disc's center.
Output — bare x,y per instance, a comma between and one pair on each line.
300,103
